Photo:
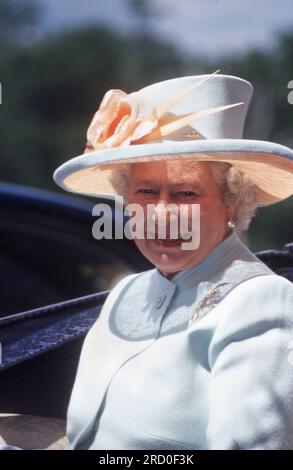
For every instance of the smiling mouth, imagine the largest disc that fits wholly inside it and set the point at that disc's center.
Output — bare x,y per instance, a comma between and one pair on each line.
167,242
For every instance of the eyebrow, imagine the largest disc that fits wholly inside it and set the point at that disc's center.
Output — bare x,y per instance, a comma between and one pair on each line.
175,185
144,182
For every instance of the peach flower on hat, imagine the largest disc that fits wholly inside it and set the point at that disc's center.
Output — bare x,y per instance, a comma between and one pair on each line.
120,120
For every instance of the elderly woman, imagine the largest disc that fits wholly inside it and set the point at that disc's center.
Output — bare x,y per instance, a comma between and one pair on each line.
194,353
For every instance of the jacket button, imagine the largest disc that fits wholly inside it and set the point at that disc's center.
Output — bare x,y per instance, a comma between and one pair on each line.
160,300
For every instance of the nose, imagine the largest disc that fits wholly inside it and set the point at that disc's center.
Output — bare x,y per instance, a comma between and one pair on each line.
159,214
165,216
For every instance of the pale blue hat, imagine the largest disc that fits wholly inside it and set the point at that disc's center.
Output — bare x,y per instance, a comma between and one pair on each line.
178,118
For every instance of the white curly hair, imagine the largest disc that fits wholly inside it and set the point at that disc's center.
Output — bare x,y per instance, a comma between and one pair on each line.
236,188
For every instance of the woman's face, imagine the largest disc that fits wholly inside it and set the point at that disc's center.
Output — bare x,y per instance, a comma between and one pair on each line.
179,182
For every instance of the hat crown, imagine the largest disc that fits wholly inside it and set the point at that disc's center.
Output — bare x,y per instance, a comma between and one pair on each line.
218,90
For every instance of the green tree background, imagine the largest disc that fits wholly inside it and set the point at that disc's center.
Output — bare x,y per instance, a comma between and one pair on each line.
52,87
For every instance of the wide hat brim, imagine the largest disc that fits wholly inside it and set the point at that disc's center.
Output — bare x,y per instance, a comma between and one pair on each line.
269,165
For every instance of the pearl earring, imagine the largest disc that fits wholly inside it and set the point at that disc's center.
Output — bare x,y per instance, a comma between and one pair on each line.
231,223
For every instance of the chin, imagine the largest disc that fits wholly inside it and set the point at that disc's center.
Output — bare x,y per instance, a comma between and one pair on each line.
169,265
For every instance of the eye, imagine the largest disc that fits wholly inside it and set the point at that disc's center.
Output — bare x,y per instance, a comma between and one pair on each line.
188,193
144,191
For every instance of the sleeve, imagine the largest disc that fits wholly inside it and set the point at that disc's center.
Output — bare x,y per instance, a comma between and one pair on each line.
77,412
250,395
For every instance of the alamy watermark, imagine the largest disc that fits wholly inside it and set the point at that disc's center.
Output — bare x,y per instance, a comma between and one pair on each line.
165,222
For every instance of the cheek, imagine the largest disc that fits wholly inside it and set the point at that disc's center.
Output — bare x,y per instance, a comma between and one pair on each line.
212,214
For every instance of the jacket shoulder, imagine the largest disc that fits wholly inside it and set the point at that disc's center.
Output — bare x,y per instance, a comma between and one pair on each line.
253,307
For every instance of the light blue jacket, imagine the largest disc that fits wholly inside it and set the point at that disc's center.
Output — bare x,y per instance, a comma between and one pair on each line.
149,378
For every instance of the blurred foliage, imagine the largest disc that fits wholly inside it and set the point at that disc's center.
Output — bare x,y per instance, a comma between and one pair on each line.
52,87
